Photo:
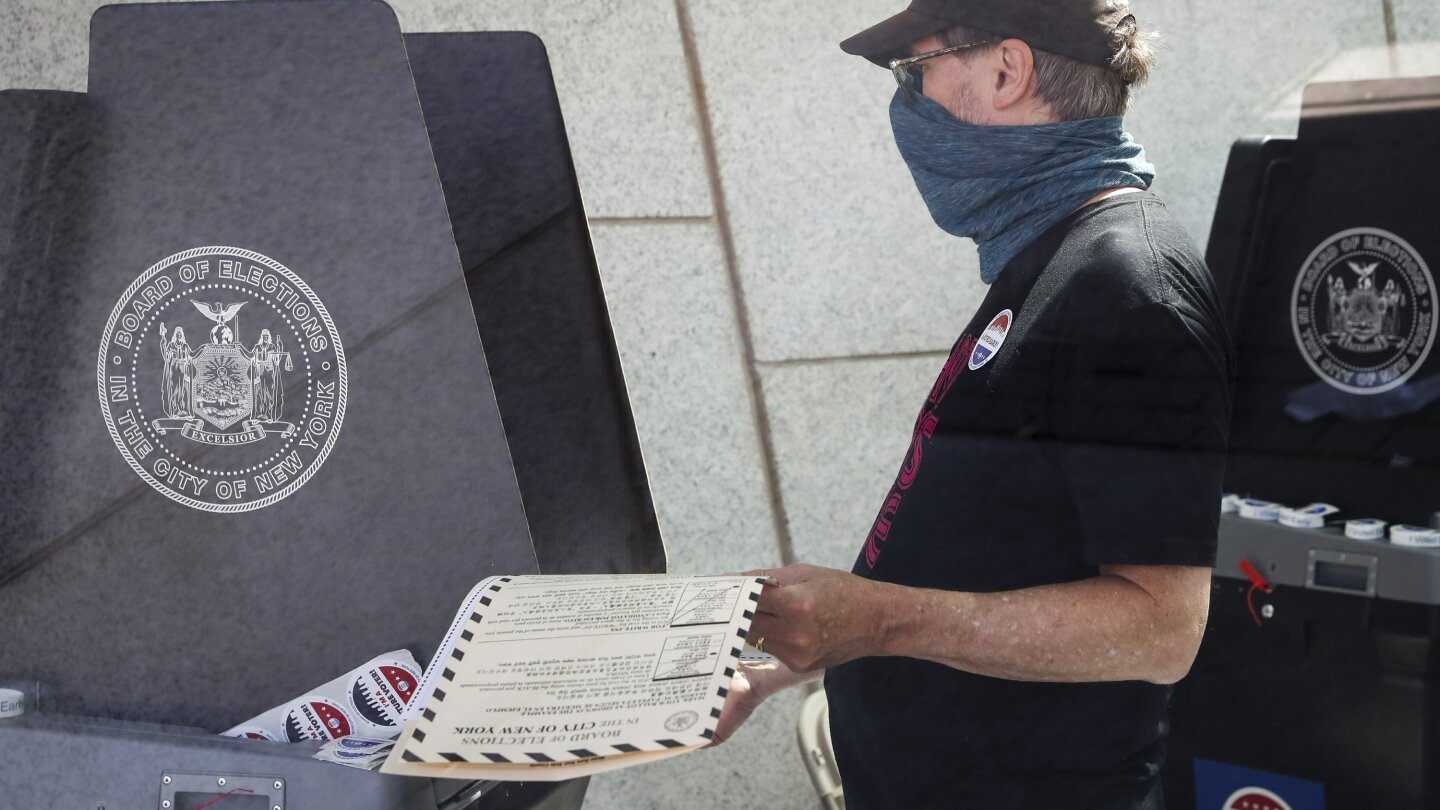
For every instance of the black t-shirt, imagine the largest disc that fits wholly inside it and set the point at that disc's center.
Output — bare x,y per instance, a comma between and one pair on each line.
1080,421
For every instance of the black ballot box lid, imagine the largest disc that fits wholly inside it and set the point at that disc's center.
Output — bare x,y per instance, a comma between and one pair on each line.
1331,275
263,445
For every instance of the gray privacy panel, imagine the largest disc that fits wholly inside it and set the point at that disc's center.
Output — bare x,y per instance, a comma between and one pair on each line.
45,140
291,130
504,161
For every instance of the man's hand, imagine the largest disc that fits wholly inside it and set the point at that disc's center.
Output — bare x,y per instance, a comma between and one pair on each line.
742,701
819,617
754,682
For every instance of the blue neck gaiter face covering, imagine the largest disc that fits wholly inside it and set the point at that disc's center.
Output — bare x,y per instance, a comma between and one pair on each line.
1004,186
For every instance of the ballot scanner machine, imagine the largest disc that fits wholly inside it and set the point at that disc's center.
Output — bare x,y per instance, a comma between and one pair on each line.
1316,685
325,459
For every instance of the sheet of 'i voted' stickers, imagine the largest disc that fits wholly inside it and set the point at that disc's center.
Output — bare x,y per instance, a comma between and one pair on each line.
369,701
555,677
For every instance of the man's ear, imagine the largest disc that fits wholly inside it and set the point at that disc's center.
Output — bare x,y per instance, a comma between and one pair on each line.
1014,74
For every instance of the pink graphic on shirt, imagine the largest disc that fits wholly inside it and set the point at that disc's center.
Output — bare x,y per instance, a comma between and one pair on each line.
923,432
881,532
954,367
925,426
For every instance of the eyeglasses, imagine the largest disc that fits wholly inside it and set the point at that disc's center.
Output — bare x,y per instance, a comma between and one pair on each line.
907,71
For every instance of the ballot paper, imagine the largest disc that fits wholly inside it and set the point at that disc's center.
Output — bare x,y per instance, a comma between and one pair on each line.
556,677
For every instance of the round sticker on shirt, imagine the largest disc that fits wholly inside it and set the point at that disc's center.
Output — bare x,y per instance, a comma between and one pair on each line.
991,339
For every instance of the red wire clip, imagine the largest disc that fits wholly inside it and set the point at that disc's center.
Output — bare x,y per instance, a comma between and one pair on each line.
1257,582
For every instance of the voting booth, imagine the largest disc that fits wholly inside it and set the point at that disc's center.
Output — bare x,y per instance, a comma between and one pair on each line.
303,337
1318,682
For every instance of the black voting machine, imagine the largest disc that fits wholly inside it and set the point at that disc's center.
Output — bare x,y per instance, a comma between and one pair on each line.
1325,248
147,624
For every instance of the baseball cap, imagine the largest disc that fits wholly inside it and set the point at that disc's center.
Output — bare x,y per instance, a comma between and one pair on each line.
1078,29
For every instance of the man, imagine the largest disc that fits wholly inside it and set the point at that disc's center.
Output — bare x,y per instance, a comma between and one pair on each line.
1039,574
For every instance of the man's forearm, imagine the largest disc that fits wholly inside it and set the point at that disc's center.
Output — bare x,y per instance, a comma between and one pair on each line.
1106,628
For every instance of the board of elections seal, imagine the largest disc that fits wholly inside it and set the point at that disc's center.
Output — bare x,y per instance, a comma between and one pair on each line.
222,379
1363,311
681,720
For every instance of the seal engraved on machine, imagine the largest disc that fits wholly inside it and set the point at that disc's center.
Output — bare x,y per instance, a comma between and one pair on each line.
222,379
1363,311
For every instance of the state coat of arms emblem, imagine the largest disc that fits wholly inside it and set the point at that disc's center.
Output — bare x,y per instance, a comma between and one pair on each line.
207,414
1363,311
